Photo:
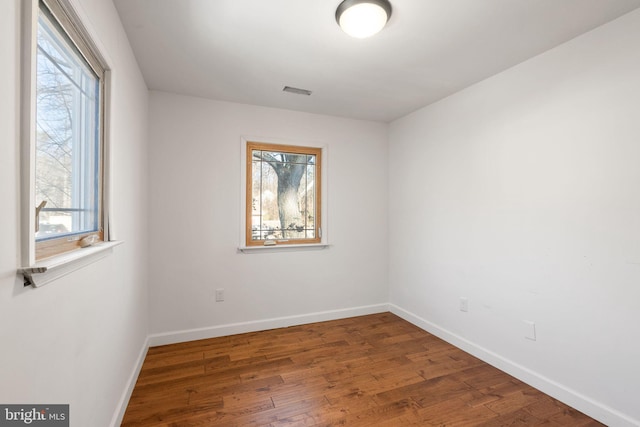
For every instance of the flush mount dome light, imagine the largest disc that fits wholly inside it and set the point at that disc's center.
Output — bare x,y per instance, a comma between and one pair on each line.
363,18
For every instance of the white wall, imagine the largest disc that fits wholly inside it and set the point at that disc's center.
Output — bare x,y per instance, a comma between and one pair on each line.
76,340
521,193
195,217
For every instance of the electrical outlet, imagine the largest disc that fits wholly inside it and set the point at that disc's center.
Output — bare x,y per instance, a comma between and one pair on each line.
219,295
464,304
529,330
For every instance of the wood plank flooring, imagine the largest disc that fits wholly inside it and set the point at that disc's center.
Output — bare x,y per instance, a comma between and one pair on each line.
376,370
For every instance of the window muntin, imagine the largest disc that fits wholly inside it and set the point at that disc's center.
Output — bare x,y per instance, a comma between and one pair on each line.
68,143
283,194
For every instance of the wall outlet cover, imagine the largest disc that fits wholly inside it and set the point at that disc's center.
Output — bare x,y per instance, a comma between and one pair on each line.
464,304
529,328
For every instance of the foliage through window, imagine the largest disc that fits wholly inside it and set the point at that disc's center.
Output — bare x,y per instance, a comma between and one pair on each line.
68,143
283,194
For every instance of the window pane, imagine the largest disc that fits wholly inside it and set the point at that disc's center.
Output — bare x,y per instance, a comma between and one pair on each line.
283,194
67,137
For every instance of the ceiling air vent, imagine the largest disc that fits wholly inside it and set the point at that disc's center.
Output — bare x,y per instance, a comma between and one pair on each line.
296,90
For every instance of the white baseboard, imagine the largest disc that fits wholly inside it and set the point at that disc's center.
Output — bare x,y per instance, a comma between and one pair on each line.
261,325
118,415
594,409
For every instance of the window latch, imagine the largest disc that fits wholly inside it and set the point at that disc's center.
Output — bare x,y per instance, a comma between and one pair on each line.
38,209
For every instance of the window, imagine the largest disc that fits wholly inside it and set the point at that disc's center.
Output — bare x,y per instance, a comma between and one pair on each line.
67,134
283,194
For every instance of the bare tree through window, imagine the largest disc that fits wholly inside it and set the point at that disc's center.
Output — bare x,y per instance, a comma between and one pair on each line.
284,188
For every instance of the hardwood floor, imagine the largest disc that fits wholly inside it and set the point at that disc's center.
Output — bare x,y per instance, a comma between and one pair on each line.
376,370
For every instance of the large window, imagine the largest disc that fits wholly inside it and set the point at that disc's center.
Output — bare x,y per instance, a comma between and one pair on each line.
68,133
283,194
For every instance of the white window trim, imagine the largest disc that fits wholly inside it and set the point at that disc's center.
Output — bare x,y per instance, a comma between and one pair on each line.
38,273
282,248
50,269
324,239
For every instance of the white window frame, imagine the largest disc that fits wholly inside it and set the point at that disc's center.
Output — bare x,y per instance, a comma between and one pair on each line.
39,272
324,238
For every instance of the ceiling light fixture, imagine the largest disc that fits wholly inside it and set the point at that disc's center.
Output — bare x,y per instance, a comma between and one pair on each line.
363,18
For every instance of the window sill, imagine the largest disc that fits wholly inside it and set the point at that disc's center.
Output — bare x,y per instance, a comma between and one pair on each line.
282,248
50,269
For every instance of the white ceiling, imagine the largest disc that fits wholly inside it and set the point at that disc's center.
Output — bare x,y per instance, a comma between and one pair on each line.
247,50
